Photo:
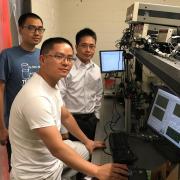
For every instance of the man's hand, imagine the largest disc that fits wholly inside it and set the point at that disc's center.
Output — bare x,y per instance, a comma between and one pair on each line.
112,172
3,136
91,145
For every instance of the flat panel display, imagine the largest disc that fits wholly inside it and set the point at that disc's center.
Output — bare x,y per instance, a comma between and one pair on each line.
111,61
164,117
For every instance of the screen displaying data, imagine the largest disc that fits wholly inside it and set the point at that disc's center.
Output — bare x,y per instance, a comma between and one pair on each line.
164,117
111,61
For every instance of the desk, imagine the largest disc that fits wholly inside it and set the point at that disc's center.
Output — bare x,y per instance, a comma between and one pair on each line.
148,156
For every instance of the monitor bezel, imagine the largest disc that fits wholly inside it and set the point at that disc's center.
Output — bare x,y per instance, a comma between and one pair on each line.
113,71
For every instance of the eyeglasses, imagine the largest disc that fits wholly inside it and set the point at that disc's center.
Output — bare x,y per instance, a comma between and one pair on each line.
85,46
33,28
62,57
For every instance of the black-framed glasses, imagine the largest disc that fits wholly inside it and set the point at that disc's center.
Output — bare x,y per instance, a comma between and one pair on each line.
33,28
62,57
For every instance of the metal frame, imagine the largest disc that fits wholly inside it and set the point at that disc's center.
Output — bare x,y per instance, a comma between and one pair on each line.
167,73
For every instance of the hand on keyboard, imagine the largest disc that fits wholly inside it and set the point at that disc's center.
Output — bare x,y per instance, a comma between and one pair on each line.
112,171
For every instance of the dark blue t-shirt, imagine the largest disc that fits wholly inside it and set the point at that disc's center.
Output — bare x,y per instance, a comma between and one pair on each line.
16,67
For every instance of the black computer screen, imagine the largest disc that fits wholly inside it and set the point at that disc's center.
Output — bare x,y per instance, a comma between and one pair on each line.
164,117
111,61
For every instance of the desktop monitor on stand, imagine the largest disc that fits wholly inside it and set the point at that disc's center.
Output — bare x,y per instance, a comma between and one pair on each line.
111,63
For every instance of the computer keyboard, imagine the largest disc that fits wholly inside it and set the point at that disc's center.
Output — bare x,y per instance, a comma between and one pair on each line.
120,149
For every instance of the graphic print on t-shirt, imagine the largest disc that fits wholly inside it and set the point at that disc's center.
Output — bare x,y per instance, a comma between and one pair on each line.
27,71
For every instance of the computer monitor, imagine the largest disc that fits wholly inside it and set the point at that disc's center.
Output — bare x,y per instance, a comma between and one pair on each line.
111,61
164,117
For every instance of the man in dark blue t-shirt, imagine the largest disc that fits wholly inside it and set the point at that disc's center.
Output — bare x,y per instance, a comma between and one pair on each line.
17,64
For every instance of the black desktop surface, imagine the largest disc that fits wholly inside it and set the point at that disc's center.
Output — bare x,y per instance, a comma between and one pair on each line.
142,148
152,151
168,150
148,156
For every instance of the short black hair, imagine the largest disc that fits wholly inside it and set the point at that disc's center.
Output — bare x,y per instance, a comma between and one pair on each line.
23,17
85,32
49,43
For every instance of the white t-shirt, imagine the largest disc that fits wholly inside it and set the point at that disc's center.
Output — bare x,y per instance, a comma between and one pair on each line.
36,105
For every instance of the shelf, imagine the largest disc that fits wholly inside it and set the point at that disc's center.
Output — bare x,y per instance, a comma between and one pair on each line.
166,70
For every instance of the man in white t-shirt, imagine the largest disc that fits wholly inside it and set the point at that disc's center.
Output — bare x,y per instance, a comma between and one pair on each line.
38,151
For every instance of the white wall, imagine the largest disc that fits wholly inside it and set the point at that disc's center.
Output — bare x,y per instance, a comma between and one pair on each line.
105,17
50,12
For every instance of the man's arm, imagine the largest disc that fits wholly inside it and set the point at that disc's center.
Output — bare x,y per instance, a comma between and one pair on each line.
99,95
53,140
3,129
70,123
62,87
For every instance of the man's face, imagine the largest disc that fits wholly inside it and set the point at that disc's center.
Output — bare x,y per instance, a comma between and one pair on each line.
31,32
86,49
58,62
